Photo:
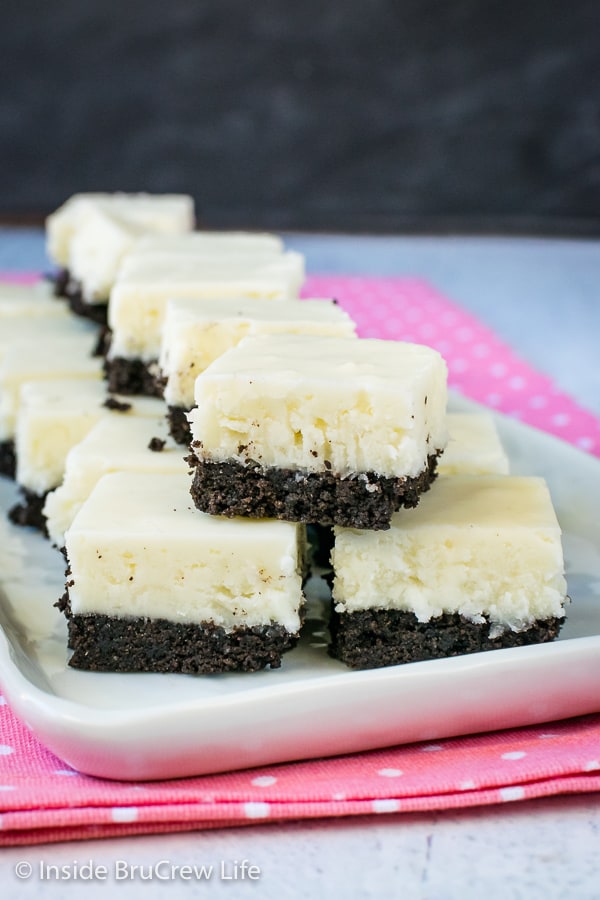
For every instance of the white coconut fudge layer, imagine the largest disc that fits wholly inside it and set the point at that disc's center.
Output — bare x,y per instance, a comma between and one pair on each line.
114,444
474,447
137,549
195,334
32,301
163,213
39,360
485,547
54,416
321,403
261,246
38,329
138,300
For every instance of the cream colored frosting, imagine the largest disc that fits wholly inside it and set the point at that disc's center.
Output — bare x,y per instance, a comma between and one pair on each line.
139,298
163,213
116,443
38,360
481,546
315,403
54,416
195,334
138,548
474,447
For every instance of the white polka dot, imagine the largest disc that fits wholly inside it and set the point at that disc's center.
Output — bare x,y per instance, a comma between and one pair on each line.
480,350
592,765
5,750
561,419
7,787
467,786
427,331
65,772
385,806
459,365
514,754
464,334
538,401
517,382
264,781
390,773
586,443
338,796
124,813
497,370
257,810
511,793
431,748
493,399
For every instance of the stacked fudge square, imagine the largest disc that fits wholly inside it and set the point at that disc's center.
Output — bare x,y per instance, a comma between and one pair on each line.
290,421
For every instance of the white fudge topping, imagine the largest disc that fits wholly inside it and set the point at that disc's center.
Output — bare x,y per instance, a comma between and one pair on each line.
29,300
32,360
139,548
481,546
163,213
34,330
474,447
54,416
145,284
117,443
213,243
96,252
316,403
195,334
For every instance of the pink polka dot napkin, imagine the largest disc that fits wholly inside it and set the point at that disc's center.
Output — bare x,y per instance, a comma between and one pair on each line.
42,800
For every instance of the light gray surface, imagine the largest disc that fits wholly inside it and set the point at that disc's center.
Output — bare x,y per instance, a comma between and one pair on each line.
541,297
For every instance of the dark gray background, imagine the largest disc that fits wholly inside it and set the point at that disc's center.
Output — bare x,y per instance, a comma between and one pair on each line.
376,115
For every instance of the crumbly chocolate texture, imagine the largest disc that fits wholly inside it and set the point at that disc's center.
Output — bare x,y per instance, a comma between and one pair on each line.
365,500
132,376
109,644
116,405
8,459
370,639
70,288
157,445
30,511
179,427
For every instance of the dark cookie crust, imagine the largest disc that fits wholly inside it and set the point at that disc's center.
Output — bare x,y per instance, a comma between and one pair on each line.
65,286
30,511
109,644
364,501
8,459
179,427
370,639
132,376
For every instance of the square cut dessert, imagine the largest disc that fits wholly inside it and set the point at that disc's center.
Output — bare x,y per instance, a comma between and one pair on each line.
114,444
32,359
317,429
53,417
146,282
156,586
477,566
195,334
88,236
474,447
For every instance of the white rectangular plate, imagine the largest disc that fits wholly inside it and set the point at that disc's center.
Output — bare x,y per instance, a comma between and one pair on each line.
147,726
